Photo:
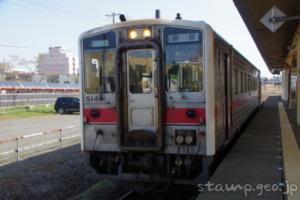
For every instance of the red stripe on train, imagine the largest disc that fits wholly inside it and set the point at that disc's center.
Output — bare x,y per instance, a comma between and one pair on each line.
179,116
172,115
237,103
106,115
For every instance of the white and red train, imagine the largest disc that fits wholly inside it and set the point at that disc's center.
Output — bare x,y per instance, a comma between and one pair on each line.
161,97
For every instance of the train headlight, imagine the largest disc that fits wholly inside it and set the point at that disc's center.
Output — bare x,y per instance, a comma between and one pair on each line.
189,139
147,33
139,33
178,162
179,139
133,34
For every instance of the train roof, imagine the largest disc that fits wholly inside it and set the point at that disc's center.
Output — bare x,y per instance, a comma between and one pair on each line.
235,50
176,22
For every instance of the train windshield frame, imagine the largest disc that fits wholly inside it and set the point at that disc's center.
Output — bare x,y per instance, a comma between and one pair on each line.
99,63
183,59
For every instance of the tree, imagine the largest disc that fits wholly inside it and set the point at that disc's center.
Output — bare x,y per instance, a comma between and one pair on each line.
18,61
53,78
4,68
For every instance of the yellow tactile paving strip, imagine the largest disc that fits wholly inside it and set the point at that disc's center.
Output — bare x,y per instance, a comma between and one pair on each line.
291,153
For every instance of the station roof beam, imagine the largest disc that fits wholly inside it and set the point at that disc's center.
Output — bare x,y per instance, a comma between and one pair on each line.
273,46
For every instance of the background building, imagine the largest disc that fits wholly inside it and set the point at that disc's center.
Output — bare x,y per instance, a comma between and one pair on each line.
57,62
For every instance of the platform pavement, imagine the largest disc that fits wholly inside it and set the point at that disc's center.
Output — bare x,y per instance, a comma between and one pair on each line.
291,154
254,163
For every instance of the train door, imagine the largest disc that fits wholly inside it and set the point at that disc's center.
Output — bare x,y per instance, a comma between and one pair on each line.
140,90
222,94
259,87
140,108
220,112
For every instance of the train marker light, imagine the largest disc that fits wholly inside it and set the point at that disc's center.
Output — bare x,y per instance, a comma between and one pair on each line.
179,139
146,33
188,139
190,113
178,162
133,34
187,162
95,113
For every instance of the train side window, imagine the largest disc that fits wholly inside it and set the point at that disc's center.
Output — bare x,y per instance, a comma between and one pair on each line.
251,86
236,81
249,83
256,84
245,82
242,82
219,60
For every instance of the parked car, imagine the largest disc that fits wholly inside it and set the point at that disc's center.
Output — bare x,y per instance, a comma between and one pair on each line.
66,105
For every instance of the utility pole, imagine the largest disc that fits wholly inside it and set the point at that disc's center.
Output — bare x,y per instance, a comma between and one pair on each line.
113,15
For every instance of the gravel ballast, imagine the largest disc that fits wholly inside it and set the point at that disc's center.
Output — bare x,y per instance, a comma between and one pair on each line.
60,174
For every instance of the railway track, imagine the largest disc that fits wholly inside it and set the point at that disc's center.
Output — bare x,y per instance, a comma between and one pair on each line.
174,193
181,192
129,195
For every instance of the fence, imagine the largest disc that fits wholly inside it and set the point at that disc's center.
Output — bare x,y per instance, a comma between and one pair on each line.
19,148
21,99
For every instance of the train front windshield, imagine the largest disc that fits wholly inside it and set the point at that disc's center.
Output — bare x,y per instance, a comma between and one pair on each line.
99,63
183,60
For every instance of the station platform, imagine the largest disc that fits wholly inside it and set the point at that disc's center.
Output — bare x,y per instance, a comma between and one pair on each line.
263,163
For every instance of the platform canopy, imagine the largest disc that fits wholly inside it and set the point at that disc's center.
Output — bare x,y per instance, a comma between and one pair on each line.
273,46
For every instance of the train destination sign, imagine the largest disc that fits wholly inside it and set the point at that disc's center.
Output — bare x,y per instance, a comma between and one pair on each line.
99,43
183,37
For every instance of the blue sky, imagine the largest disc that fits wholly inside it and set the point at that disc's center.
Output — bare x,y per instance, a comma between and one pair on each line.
39,24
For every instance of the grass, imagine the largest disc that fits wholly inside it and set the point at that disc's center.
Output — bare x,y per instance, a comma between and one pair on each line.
26,111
